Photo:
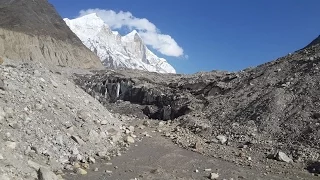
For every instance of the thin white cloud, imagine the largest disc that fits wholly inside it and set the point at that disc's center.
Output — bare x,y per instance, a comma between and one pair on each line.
152,36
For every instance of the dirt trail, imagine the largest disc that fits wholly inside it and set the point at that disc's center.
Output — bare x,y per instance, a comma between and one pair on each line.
157,157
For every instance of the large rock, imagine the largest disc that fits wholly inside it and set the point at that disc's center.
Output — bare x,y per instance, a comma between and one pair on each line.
222,139
129,140
81,171
78,140
11,145
34,165
214,176
45,174
281,156
93,136
2,114
2,85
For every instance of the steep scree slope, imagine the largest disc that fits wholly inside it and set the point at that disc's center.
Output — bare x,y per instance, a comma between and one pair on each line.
47,121
314,42
33,30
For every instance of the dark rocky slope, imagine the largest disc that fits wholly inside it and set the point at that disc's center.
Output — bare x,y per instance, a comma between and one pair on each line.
314,42
33,30
274,106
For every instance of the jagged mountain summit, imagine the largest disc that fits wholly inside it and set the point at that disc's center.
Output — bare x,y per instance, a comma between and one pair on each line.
116,51
34,31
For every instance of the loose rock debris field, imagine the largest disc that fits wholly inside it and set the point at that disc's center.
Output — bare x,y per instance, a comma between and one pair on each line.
154,156
63,115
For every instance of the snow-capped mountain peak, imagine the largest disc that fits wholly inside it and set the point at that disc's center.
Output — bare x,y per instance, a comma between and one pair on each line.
91,22
132,33
132,36
114,50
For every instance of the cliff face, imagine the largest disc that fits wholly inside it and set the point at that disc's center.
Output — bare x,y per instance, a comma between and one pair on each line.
33,30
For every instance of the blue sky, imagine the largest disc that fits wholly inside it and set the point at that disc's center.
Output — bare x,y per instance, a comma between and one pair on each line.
220,34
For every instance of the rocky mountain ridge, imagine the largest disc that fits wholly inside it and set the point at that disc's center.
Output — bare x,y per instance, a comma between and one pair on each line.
116,51
34,31
313,43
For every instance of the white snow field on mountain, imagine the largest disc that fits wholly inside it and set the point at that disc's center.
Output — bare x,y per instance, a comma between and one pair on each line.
116,51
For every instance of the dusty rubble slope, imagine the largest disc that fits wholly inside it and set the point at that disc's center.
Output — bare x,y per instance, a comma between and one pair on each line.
46,120
272,107
33,30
